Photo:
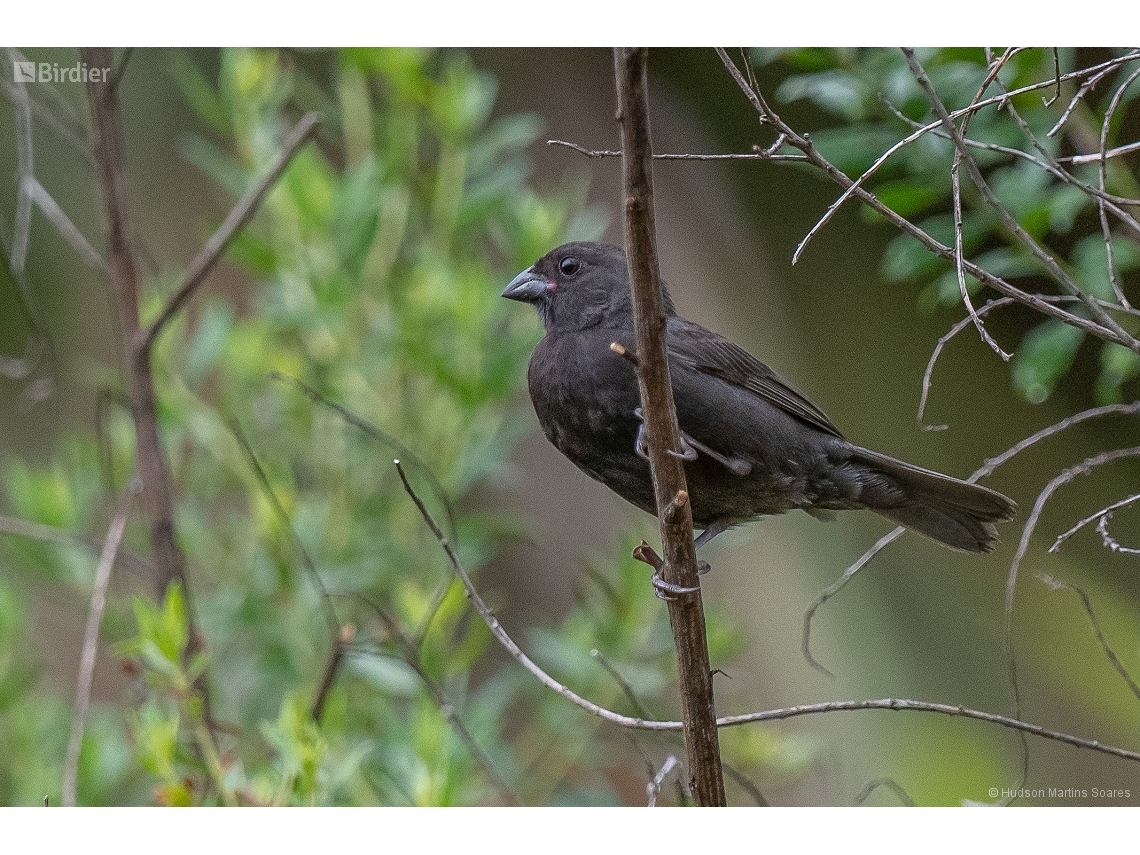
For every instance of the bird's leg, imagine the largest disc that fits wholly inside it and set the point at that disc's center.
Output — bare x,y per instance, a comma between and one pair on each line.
708,534
733,464
641,445
711,531
689,449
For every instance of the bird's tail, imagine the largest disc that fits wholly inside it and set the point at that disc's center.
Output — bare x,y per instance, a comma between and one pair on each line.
953,512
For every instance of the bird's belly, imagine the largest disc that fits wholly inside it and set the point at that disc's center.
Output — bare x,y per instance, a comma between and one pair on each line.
585,406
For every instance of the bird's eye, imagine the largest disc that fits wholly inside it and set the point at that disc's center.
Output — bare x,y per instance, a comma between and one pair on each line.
569,266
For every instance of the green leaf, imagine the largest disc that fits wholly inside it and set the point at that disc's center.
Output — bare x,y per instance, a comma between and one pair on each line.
1044,357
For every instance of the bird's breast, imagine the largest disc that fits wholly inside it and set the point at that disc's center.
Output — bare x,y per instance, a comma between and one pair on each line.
584,396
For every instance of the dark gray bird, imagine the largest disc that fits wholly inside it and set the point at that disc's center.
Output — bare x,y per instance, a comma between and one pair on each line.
757,446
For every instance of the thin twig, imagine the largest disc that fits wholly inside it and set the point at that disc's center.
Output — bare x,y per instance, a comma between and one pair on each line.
991,464
595,153
91,642
1034,301
25,168
653,788
899,704
956,191
640,709
1049,102
853,188
942,342
383,438
1085,88
890,784
1011,582
1103,512
63,224
1114,660
1109,541
410,654
153,470
238,216
1102,169
1110,153
626,688
340,636
1057,273
746,784
835,588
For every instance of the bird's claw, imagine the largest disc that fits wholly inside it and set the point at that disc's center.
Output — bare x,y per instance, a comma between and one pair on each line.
641,445
668,591
689,449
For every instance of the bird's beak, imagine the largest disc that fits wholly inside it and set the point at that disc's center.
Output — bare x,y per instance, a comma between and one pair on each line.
527,287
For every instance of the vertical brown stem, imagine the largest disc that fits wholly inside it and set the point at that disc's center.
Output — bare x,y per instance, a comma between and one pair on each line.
686,613
157,491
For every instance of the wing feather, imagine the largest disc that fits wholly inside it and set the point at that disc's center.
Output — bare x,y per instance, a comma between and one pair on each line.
709,353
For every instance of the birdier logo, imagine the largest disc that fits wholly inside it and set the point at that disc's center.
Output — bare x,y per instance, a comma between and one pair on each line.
53,72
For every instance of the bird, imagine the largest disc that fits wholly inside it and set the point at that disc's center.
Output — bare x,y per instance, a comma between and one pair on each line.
753,445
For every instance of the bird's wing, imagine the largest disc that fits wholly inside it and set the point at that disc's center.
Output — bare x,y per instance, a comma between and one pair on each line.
706,352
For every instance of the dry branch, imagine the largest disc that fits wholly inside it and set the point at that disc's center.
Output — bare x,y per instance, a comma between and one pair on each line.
686,613
152,468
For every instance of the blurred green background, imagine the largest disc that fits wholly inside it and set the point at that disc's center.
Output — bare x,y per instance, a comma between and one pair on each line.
372,273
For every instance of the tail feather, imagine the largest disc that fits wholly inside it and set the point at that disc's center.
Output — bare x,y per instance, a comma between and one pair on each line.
958,514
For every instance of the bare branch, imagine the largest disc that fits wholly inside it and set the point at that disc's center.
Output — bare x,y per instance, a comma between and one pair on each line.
835,588
1034,301
1109,541
1047,261
91,642
900,704
1102,168
626,688
1110,153
25,168
1099,515
890,784
238,216
674,512
157,486
1027,533
1084,89
63,224
340,636
493,624
373,432
410,654
942,342
984,471
1058,584
595,153
729,721
992,463
653,788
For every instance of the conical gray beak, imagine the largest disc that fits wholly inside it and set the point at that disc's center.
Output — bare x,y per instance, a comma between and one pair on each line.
527,287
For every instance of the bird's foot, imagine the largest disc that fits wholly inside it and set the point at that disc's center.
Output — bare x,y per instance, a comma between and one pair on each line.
689,449
662,589
668,591
641,445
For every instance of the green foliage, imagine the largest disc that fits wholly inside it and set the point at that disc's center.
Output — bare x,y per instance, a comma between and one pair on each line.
876,101
371,273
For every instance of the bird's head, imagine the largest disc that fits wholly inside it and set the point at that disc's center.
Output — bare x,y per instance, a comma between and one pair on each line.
576,286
